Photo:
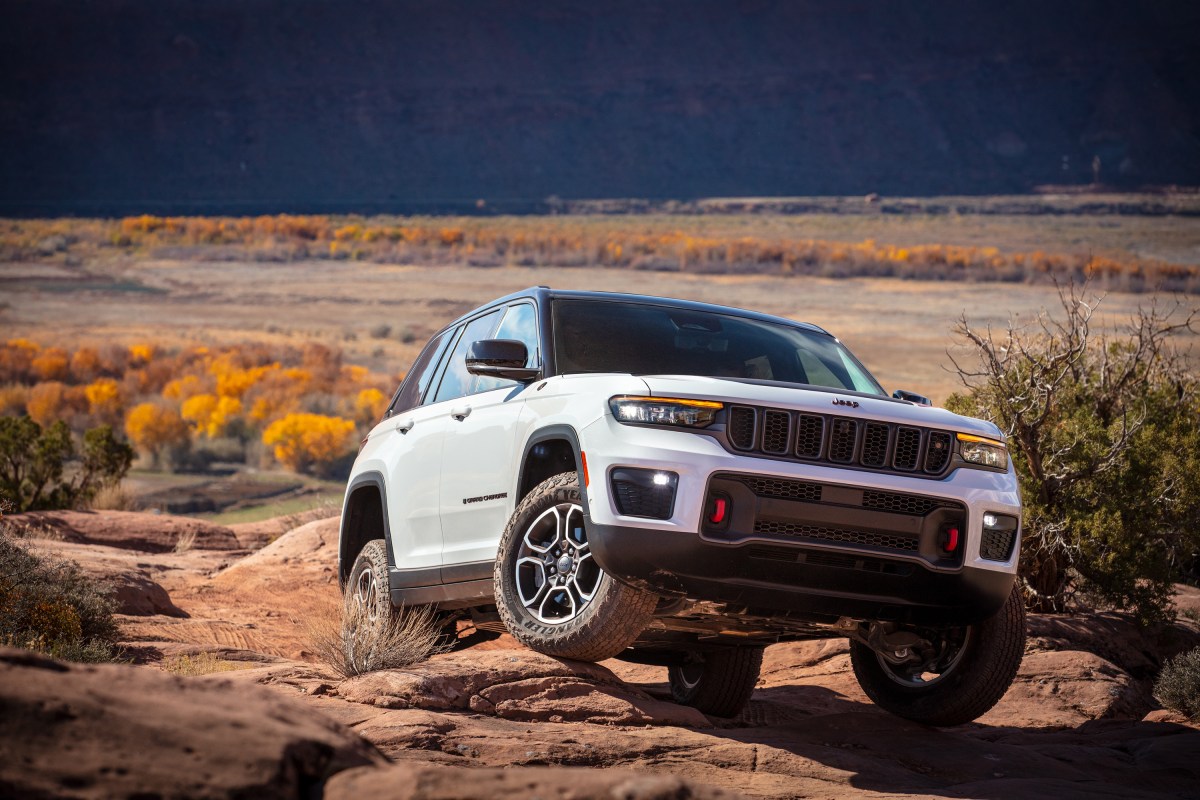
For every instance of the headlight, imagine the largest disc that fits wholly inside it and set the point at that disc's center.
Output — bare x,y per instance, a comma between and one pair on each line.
981,451
665,411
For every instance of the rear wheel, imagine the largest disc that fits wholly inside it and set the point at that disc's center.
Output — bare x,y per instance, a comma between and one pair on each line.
551,594
718,683
959,677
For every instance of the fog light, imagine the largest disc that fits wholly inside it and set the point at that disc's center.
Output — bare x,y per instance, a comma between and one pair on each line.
989,520
661,479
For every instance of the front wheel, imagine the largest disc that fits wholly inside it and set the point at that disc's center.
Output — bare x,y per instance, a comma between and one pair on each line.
718,683
965,672
551,594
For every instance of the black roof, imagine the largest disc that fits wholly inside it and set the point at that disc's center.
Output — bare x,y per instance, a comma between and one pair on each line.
545,293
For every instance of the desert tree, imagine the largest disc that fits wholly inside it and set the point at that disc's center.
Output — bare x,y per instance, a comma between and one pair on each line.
1104,432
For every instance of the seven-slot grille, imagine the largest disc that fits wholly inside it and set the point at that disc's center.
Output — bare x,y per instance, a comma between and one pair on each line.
834,440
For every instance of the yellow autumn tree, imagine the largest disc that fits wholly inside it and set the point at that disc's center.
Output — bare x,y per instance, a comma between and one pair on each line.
45,403
369,406
210,415
153,429
51,364
104,400
309,442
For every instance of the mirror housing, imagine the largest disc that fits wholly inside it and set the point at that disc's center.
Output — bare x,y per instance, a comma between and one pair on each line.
501,358
912,397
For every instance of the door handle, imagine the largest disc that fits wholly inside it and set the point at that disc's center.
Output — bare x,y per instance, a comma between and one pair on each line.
406,425
461,412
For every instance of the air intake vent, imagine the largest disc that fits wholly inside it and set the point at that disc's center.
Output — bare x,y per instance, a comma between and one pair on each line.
741,427
938,453
997,545
776,427
908,449
841,440
875,445
809,433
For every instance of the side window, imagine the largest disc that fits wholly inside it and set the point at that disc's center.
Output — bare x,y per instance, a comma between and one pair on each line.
520,323
456,381
418,378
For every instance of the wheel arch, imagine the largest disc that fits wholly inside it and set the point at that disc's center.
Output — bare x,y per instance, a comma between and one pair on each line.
364,517
550,451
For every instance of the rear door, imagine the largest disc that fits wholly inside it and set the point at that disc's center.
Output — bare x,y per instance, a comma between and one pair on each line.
478,457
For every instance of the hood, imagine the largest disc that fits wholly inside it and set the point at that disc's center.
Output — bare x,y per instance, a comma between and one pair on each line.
816,400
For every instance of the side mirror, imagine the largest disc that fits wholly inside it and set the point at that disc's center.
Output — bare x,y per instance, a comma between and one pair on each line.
501,358
912,397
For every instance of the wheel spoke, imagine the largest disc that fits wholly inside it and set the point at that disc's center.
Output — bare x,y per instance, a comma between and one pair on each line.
539,580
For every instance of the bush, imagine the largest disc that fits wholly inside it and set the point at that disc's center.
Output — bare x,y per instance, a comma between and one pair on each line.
1178,685
48,605
33,464
1105,437
346,639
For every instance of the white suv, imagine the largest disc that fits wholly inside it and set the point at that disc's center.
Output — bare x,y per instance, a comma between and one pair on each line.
682,484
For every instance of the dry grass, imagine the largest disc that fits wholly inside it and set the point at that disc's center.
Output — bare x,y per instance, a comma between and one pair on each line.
185,542
30,530
114,497
201,664
345,638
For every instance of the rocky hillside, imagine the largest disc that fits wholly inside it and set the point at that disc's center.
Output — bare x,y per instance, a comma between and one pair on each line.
111,107
496,720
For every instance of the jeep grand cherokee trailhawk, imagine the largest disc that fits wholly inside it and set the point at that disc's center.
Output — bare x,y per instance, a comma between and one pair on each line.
683,484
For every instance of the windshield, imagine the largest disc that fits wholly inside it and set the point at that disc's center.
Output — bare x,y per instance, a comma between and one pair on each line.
608,336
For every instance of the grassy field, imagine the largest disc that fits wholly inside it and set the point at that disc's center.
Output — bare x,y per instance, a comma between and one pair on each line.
78,290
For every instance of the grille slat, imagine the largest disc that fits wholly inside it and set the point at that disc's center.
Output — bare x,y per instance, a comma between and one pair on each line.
841,441
809,433
908,449
741,427
777,426
875,444
938,453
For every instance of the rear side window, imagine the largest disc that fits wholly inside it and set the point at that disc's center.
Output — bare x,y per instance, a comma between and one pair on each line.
418,378
456,381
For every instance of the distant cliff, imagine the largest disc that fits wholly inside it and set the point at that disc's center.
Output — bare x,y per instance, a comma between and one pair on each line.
247,106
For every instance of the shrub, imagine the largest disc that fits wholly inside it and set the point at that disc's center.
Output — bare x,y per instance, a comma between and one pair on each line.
344,637
1104,434
1178,685
33,461
48,605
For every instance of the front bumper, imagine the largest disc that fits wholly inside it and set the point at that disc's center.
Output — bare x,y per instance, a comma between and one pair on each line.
781,567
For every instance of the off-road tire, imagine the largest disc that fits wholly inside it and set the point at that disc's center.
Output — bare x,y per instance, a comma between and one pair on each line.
372,559
721,683
970,689
606,625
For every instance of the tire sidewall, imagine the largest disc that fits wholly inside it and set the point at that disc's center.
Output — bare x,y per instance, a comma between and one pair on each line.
372,557
505,579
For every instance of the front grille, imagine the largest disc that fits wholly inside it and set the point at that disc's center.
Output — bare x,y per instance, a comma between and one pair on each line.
780,527
911,504
997,545
784,489
839,441
634,500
